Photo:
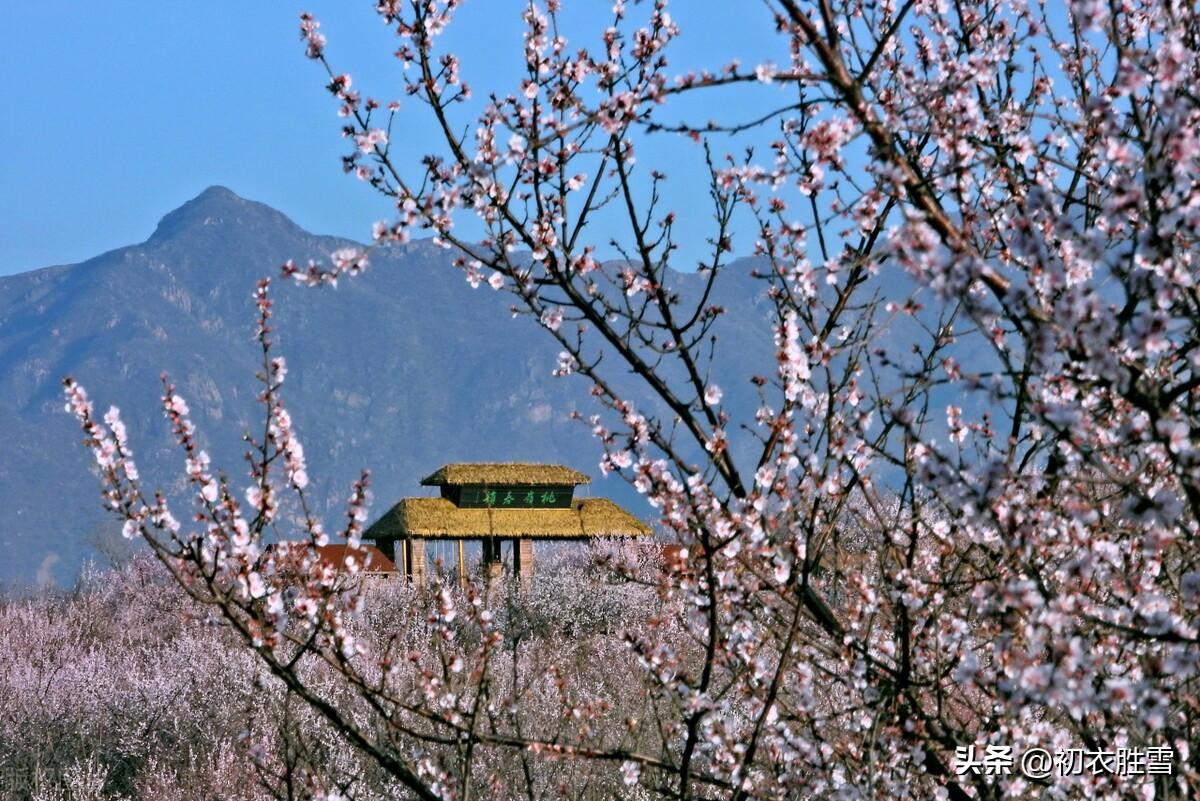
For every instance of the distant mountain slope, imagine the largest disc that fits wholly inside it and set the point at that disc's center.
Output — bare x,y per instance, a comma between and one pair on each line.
399,370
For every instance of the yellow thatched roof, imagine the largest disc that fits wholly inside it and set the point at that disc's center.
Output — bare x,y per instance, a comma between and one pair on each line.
493,473
439,518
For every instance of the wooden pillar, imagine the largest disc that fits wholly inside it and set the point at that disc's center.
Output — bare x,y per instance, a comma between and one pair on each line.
462,565
416,560
523,559
491,558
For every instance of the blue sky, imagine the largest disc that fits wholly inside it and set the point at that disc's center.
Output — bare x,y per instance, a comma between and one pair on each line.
117,112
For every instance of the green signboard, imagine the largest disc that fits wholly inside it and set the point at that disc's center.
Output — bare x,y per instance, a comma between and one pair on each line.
510,496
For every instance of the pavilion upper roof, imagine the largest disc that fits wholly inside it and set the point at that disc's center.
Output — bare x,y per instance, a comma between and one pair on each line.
504,473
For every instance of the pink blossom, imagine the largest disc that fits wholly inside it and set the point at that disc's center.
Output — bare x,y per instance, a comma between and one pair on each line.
552,318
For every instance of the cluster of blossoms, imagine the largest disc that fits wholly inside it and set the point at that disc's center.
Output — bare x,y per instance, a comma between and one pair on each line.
75,689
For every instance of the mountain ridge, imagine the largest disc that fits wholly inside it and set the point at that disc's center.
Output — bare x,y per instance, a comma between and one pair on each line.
399,370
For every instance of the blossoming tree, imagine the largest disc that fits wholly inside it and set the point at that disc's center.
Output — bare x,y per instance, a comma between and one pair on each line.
970,513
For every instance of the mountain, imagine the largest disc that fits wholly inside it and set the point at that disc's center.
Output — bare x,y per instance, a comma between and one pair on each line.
399,370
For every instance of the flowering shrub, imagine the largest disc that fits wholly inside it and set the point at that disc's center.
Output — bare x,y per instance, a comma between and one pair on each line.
968,516
127,688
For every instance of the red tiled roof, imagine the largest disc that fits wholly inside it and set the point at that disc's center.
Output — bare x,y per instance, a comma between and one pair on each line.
373,559
674,556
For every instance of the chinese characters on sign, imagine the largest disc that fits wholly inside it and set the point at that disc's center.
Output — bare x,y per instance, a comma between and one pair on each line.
514,497
1038,763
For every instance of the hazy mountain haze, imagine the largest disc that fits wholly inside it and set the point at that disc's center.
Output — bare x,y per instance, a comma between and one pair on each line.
398,370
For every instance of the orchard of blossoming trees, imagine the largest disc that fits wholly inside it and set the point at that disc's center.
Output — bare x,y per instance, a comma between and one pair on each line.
921,553
125,689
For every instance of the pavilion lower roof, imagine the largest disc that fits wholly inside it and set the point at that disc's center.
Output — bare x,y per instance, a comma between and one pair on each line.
435,518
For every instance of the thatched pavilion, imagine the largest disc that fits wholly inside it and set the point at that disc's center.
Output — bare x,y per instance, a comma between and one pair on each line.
493,502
